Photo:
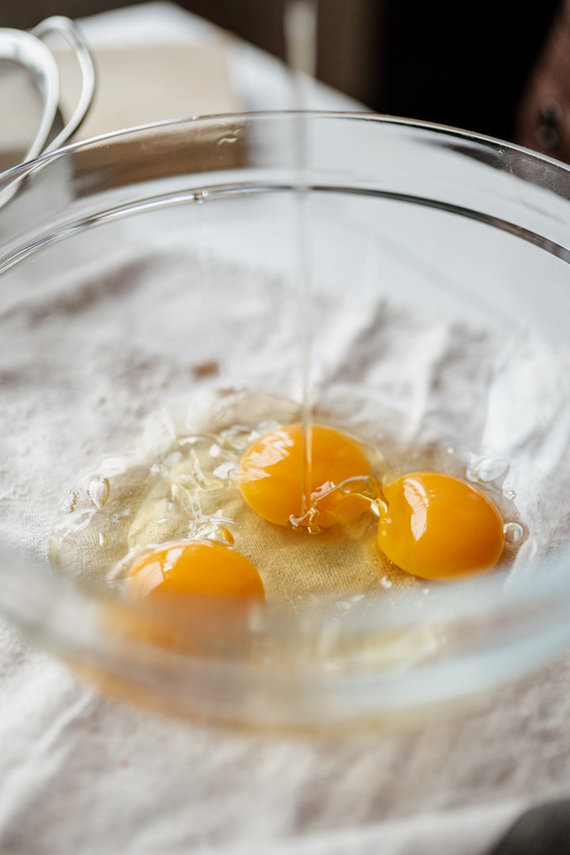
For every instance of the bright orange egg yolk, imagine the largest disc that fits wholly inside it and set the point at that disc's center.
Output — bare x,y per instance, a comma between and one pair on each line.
200,569
196,597
271,475
439,527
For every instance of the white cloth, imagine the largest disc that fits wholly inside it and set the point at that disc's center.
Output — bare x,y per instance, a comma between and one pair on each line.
80,772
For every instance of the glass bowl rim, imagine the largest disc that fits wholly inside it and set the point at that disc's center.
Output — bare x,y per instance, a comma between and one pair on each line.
551,595
23,168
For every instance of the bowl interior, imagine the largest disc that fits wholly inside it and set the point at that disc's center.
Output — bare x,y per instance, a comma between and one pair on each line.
154,297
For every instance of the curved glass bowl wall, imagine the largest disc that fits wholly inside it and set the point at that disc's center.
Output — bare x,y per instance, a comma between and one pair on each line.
415,230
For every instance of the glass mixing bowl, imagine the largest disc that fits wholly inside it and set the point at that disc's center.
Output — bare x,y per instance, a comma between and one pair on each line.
158,288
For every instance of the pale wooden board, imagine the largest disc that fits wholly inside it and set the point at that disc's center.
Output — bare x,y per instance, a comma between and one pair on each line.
140,85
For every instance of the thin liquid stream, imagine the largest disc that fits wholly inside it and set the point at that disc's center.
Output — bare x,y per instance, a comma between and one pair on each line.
301,46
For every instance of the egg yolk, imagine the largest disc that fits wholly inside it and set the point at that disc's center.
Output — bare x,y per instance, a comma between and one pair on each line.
438,527
200,569
197,599
271,476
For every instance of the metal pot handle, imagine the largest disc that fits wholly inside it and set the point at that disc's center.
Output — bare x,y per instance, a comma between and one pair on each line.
29,50
67,29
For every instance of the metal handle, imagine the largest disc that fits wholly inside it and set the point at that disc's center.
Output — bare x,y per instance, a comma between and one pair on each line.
67,29
26,50
29,50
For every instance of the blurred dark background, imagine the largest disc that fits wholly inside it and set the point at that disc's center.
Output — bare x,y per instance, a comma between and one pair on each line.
468,65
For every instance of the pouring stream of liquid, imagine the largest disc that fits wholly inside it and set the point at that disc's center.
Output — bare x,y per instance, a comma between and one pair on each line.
301,44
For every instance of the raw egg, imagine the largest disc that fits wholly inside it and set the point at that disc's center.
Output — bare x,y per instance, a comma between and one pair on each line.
271,476
439,527
200,569
197,598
